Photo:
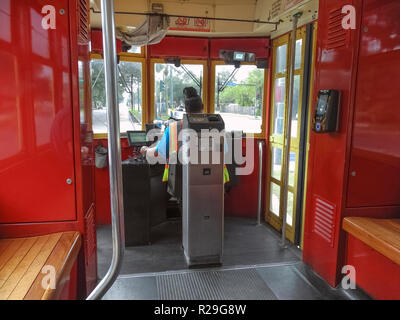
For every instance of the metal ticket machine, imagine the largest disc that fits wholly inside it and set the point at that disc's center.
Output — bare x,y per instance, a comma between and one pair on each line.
203,189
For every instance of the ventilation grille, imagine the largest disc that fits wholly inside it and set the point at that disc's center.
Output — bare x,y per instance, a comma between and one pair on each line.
83,22
324,220
337,36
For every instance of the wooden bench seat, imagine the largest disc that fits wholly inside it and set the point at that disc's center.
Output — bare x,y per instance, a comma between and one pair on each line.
22,260
383,235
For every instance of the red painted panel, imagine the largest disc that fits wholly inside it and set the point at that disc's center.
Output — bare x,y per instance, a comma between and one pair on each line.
97,42
36,115
376,138
259,46
186,48
242,200
375,274
335,69
102,185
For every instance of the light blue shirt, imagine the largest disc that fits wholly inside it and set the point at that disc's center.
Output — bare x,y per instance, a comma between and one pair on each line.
163,145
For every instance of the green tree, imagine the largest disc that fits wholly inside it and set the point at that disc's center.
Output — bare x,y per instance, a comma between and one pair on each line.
129,81
244,93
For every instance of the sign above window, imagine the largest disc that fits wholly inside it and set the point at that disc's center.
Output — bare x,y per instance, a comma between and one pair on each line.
190,24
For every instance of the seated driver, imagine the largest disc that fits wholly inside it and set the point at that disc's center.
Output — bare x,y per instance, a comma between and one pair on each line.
193,104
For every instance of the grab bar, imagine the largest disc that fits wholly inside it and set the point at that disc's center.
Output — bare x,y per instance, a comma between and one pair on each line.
114,154
260,171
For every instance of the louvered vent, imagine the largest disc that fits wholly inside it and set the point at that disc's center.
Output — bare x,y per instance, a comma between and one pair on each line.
324,220
337,36
83,22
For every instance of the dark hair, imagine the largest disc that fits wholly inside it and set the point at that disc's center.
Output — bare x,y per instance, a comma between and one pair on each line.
193,103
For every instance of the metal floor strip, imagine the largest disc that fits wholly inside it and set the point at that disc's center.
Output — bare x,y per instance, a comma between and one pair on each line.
238,284
227,268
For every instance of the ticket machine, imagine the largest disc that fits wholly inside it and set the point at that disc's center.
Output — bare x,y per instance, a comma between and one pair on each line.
203,190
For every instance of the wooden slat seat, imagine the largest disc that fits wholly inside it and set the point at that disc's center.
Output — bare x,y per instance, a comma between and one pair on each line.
383,235
22,262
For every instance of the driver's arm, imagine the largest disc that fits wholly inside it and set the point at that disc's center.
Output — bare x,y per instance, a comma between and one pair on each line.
161,149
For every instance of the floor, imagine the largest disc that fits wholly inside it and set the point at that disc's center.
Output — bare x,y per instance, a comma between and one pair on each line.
255,267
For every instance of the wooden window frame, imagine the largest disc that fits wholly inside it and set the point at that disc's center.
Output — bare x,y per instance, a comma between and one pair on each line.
211,109
183,61
130,58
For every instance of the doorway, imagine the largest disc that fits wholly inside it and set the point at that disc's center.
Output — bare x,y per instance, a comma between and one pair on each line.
278,131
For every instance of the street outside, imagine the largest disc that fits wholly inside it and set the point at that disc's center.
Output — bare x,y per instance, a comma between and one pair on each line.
246,123
100,120
241,122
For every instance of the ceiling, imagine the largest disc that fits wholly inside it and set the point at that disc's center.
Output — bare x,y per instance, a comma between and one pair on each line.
265,10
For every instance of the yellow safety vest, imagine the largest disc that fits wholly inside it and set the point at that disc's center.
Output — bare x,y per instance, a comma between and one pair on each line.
174,147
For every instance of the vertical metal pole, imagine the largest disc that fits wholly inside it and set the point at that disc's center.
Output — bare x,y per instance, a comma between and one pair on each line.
114,145
289,126
260,151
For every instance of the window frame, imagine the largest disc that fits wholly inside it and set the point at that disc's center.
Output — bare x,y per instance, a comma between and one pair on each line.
211,109
277,141
130,57
183,61
142,53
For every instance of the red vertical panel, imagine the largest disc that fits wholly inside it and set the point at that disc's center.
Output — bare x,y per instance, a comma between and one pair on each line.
102,185
375,155
242,199
335,69
36,148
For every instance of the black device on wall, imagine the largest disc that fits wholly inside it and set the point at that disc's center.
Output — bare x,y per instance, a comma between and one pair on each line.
326,116
236,57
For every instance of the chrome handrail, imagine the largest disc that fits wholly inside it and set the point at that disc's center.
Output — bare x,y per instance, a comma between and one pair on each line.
114,154
260,171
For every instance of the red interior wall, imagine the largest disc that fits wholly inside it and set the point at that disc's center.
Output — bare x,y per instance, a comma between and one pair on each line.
44,125
368,142
205,48
375,274
335,69
242,200
97,42
102,184
374,191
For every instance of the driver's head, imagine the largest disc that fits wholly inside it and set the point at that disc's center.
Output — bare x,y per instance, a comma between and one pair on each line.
193,103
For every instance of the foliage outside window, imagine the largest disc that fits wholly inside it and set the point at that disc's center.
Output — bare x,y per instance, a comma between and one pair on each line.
239,97
129,96
169,82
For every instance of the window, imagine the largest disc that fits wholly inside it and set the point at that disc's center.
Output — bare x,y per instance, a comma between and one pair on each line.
135,49
169,82
130,96
280,161
238,97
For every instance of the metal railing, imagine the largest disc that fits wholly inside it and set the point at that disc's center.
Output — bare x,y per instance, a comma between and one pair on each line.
114,154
